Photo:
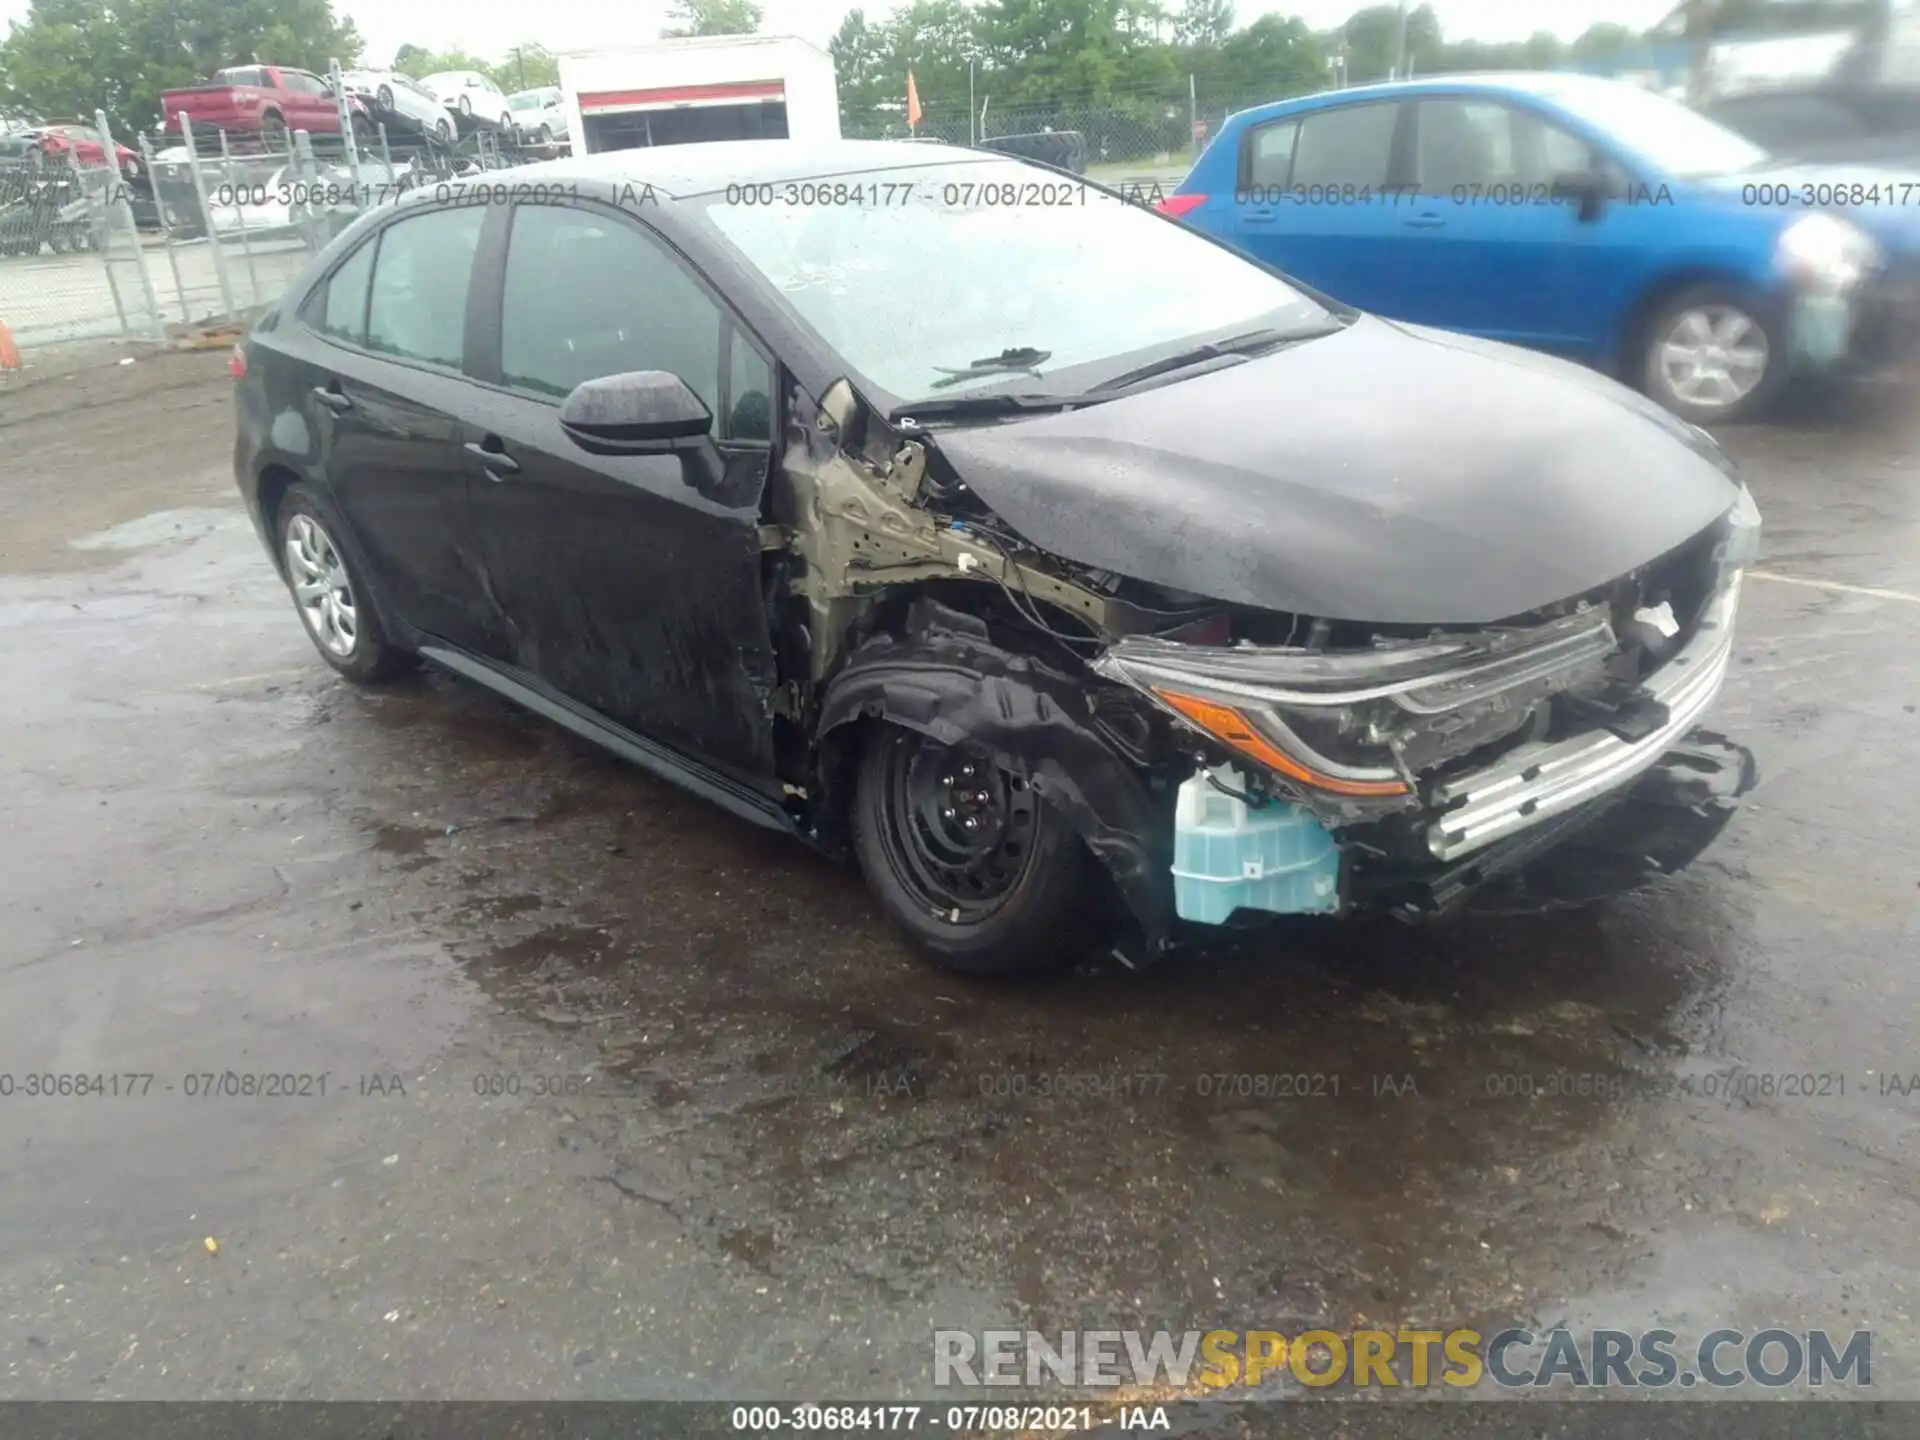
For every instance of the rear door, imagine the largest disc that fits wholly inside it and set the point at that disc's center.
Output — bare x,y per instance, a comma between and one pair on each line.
627,582
389,335
1313,199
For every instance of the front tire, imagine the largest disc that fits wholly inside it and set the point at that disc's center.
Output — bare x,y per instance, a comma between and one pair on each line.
336,608
984,875
1712,357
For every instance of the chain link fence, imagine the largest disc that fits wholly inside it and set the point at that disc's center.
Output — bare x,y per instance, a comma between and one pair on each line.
1129,140
139,239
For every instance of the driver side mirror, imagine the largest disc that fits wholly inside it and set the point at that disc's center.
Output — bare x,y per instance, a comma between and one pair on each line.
643,412
1587,189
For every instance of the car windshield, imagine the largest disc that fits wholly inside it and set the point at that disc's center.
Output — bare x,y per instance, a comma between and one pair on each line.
1682,142
913,274
527,100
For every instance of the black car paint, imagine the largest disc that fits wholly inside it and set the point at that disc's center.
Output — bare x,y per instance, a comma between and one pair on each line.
621,595
610,576
1386,474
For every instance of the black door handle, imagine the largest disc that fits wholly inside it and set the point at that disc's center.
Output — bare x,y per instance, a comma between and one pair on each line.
332,399
496,462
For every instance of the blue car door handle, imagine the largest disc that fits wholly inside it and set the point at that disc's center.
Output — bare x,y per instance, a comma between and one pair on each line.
1262,216
1426,220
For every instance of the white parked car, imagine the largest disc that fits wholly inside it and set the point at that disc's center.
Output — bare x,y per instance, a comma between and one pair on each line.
539,115
472,94
393,97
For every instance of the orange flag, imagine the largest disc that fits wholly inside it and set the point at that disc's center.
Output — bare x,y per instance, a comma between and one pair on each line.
913,103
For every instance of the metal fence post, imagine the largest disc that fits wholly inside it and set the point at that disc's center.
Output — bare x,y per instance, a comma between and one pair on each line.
205,202
346,121
173,259
121,209
240,192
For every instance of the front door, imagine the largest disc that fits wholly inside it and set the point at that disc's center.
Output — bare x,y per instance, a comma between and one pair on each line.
629,583
1493,247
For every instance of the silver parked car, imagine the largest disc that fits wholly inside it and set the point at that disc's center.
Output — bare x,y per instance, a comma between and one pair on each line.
540,115
400,99
472,94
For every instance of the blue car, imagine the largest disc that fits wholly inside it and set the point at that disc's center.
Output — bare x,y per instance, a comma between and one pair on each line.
1580,216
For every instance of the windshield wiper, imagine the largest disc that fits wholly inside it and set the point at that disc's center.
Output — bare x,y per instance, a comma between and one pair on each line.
993,402
1018,361
1240,346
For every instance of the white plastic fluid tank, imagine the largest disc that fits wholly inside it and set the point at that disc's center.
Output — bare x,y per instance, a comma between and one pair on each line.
1229,855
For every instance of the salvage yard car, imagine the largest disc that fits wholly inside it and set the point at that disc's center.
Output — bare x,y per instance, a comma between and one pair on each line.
1585,217
1087,581
400,100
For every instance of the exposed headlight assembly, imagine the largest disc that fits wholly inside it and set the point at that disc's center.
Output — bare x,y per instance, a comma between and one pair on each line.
1350,729
1827,252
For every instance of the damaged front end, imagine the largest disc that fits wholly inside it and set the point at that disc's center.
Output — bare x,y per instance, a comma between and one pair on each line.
1440,764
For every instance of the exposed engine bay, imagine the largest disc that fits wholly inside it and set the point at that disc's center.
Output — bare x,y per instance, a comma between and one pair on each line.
1439,758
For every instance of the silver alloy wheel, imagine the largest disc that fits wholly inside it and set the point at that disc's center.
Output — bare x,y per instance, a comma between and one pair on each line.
320,586
1713,356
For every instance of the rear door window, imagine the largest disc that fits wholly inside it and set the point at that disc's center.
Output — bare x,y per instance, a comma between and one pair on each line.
1269,160
339,308
1349,145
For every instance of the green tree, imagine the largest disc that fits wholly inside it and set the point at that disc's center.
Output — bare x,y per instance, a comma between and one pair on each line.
527,67
419,62
860,62
69,58
713,17
1602,41
1271,59
1203,24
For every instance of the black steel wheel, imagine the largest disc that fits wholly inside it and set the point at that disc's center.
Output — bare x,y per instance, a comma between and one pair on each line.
385,97
980,870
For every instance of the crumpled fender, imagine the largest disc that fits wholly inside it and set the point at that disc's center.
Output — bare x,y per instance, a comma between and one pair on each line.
946,679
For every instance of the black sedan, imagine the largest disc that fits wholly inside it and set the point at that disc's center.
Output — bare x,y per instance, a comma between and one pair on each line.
1090,583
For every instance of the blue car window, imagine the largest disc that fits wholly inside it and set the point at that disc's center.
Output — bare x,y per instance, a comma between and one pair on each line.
1270,155
1351,145
1483,142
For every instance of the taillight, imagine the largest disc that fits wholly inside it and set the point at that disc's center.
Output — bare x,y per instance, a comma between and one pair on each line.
237,363
1178,205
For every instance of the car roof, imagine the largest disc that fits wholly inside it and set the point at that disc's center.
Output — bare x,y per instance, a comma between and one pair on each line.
1542,83
707,166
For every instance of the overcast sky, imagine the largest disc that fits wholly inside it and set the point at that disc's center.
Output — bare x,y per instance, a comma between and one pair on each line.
491,27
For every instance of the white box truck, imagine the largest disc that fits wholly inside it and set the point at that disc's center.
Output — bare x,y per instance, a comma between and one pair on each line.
722,87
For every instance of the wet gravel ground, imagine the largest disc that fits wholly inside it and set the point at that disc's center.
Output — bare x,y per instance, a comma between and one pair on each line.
623,1098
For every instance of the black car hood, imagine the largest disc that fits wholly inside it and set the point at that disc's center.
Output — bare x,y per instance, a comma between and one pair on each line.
1385,474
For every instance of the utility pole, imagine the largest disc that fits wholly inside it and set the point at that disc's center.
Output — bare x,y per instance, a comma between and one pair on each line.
971,141
1400,45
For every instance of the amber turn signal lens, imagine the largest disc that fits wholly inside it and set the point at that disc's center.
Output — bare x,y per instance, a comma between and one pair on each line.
1230,727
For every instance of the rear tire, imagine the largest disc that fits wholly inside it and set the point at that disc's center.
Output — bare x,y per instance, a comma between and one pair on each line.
273,131
1013,892
334,603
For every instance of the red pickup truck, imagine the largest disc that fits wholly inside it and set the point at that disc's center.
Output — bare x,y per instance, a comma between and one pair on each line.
263,100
